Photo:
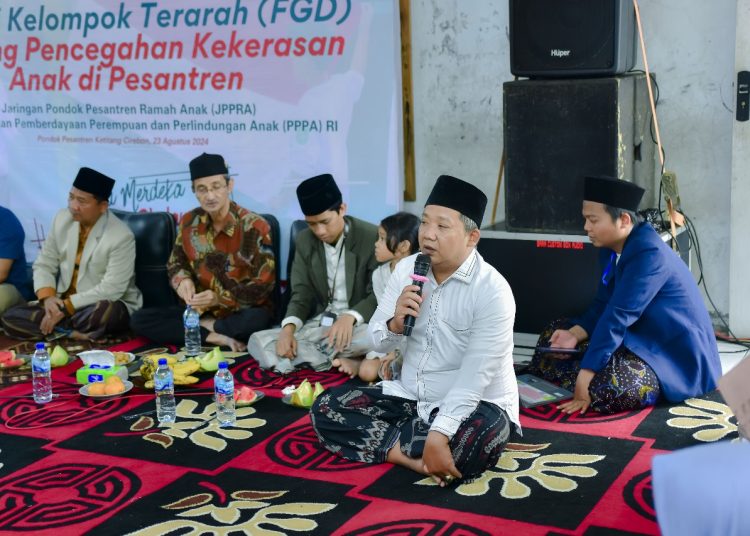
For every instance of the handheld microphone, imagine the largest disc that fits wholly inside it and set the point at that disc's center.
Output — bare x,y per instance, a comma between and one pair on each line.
421,267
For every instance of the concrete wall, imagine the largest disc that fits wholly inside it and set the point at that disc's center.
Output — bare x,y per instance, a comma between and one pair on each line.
461,58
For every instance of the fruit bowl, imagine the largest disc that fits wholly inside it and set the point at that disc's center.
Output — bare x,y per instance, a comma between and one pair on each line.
84,390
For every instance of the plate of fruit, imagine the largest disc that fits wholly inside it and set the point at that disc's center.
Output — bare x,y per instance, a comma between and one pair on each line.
183,371
303,396
123,358
109,388
244,396
9,360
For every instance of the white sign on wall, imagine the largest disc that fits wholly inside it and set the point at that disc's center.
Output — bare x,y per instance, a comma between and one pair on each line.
283,89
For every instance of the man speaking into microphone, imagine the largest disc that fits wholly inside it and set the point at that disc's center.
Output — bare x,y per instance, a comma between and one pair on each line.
450,413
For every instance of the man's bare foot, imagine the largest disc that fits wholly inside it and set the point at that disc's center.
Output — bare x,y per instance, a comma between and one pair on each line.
222,340
78,336
368,370
395,456
347,365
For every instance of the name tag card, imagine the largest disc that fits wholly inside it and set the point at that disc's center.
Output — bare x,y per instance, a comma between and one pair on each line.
327,319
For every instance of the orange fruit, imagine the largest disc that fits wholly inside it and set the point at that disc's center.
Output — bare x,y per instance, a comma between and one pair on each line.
113,388
113,380
96,389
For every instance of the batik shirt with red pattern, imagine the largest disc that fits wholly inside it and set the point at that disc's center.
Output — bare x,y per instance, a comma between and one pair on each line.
237,263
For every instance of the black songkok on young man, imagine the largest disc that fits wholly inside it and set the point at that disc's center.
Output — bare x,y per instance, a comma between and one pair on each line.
612,192
318,194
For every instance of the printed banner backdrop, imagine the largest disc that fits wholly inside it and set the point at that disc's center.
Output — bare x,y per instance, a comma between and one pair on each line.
283,89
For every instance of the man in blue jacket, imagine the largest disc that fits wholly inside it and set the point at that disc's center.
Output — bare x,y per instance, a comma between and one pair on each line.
648,333
15,287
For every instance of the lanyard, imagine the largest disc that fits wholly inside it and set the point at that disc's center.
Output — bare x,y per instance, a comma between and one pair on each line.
332,289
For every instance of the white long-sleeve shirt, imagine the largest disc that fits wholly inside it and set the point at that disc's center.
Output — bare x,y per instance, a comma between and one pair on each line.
380,278
461,348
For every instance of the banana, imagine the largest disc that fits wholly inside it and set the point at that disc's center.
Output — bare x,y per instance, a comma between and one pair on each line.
185,380
181,370
178,380
185,368
146,372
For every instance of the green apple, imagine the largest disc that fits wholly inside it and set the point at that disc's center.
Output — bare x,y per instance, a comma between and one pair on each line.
59,357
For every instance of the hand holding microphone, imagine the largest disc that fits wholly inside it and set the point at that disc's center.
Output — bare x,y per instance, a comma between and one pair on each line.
421,267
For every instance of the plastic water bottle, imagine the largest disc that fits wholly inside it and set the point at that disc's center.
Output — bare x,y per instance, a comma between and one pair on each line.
191,320
164,387
224,395
41,371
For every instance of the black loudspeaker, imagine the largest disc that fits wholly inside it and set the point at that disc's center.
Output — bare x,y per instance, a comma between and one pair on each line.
558,131
565,38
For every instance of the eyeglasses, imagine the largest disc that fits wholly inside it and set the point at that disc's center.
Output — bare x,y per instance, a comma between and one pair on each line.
201,191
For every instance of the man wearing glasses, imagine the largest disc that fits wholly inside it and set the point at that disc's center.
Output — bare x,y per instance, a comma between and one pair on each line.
222,265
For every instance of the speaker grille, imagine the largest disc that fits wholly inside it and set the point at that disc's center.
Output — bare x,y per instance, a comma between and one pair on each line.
571,37
558,131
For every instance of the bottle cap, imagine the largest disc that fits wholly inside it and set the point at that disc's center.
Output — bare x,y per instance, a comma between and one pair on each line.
222,364
40,346
162,361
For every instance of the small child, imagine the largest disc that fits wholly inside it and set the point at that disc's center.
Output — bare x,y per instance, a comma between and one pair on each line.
397,238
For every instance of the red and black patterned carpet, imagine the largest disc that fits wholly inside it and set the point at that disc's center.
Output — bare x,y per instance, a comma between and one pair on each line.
81,467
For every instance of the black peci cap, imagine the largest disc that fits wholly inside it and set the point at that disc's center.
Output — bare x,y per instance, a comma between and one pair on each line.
207,165
459,195
318,194
91,181
612,192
